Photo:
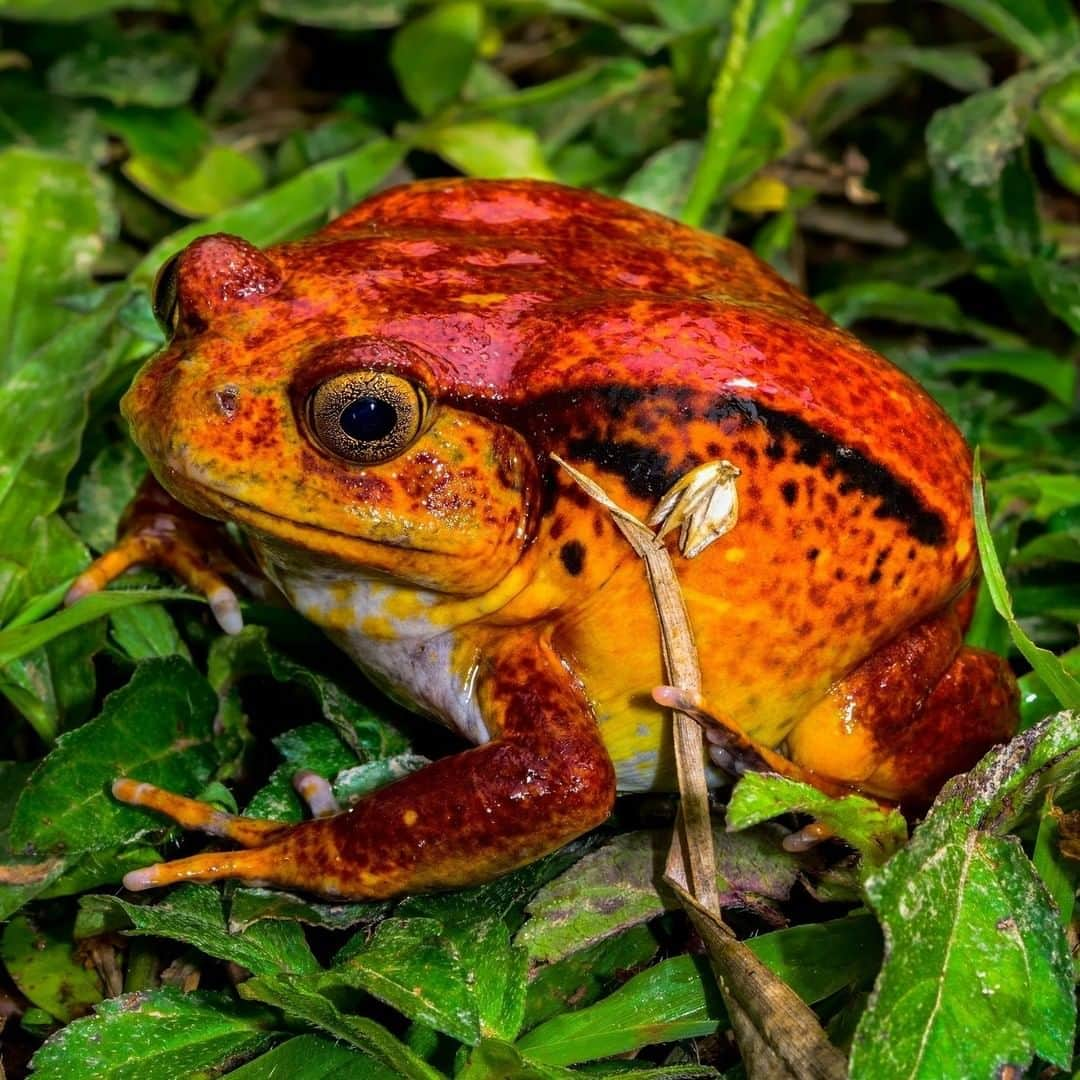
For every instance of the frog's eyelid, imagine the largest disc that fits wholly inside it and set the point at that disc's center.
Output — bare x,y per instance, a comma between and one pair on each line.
165,295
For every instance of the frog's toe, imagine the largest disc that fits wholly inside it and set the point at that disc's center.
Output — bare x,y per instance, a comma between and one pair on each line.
199,816
317,793
254,867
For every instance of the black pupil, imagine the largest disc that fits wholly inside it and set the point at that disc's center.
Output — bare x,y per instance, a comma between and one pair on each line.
368,419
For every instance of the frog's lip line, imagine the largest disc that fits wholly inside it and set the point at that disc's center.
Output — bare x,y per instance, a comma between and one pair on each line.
238,508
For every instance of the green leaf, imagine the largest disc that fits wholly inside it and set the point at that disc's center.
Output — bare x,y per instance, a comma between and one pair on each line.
311,1057
1058,284
70,10
51,233
1045,663
41,960
982,184
1038,28
977,966
143,67
223,178
740,87
432,54
678,999
1036,366
250,653
145,631
875,833
1047,493
290,994
156,1035
1036,700
578,980
158,728
172,140
290,209
909,305
249,906
195,915
494,149
339,14
21,879
465,988
105,491
17,641
620,885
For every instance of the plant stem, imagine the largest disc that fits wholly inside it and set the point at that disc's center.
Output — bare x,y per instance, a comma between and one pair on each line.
747,68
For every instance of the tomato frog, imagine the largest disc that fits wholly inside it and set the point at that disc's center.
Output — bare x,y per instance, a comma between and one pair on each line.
381,408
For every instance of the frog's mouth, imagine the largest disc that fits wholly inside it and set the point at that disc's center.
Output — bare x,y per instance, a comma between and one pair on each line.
390,550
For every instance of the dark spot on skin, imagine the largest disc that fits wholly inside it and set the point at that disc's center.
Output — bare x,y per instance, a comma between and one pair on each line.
597,525
558,527
875,577
647,472
839,574
790,491
812,554
775,451
572,554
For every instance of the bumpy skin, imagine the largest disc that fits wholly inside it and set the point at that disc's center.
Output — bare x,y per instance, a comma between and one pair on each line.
475,581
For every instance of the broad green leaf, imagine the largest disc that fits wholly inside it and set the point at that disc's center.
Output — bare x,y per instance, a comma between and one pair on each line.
875,833
578,980
98,868
291,994
663,182
431,55
146,630
250,653
1038,366
493,149
195,915
339,14
1049,547
1046,664
290,209
982,184
1058,284
19,640
143,67
51,232
41,961
311,1057
909,305
1038,28
620,885
156,1035
359,780
678,999
1059,873
21,878
416,966
105,491
70,10
222,179
1036,700
249,906
1047,493
158,728
172,140
977,966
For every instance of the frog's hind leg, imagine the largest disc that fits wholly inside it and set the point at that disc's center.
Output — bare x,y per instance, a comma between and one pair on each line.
918,711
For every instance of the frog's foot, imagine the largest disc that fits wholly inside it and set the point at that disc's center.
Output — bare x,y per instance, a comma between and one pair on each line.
157,531
544,779
317,793
918,711
731,749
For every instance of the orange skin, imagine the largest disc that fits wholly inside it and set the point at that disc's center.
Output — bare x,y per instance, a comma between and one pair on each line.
473,579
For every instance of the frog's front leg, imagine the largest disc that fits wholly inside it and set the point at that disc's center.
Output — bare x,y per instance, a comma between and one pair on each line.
156,530
544,779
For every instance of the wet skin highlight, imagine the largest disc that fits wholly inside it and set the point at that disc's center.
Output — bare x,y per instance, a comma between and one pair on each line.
477,583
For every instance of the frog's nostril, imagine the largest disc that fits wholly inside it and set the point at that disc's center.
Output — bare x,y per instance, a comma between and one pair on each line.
225,398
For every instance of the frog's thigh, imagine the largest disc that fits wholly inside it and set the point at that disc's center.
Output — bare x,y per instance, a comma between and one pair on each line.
920,710
543,780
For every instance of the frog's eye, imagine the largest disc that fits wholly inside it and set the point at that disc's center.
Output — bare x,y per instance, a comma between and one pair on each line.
366,416
165,296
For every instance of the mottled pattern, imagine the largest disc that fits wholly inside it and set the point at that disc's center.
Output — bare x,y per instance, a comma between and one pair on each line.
478,582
